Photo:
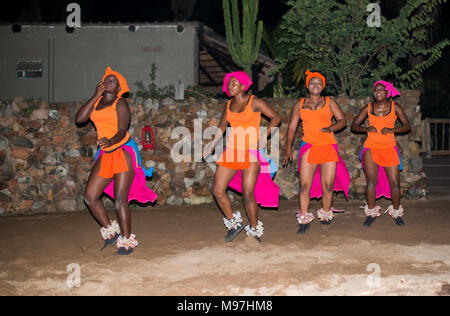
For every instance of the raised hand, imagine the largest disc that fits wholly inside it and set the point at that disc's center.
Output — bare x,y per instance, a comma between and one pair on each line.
101,87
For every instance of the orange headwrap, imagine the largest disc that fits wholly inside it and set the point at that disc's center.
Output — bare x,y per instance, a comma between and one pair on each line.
310,75
122,82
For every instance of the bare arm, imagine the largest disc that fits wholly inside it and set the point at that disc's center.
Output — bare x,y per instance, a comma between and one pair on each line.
358,120
85,111
221,129
341,122
261,106
292,129
406,127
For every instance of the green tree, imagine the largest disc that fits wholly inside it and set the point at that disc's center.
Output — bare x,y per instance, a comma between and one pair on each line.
244,48
334,37
293,73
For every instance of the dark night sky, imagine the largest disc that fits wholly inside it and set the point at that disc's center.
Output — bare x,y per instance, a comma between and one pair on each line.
206,11
210,13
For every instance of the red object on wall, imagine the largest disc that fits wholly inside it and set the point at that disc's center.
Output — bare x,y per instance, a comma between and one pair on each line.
148,140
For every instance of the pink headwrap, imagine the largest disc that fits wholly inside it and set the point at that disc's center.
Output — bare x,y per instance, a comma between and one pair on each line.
241,76
389,88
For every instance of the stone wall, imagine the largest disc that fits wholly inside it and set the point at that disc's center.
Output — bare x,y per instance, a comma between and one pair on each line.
45,158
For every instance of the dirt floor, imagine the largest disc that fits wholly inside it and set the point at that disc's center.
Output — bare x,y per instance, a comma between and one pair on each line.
182,252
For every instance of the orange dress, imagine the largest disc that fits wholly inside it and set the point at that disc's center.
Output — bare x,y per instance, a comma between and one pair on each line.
383,147
106,122
244,137
313,121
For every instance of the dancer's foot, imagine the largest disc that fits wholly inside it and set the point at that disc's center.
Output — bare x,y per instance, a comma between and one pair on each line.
257,232
399,221
110,234
302,228
234,226
258,239
232,233
325,216
371,214
126,245
396,215
303,221
369,221
110,242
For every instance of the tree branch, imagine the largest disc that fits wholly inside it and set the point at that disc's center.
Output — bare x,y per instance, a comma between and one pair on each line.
379,50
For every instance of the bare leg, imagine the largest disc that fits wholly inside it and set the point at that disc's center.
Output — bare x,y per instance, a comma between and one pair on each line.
92,193
222,178
327,176
249,177
393,174
371,170
307,171
122,185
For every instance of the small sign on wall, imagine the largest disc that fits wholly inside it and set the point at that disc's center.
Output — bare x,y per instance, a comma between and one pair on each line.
151,49
29,69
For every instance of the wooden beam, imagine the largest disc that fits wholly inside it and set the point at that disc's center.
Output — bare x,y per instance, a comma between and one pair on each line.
208,75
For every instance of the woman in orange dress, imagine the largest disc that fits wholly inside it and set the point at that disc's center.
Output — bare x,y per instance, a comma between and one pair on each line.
243,166
380,156
320,167
118,169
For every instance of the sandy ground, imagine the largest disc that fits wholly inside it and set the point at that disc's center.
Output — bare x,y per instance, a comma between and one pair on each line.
182,252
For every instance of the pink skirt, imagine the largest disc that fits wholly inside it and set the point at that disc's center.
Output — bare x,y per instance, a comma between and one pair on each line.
138,190
342,179
382,188
267,193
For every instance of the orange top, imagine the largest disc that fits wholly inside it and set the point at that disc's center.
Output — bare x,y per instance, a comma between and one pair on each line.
106,123
313,121
244,127
378,140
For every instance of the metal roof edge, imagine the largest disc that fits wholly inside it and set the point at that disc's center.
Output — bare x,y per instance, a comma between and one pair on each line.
108,24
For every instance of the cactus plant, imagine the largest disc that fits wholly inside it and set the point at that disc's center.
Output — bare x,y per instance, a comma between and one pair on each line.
244,48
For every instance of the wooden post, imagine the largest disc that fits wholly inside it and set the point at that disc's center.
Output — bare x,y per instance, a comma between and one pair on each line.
438,149
443,136
426,137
